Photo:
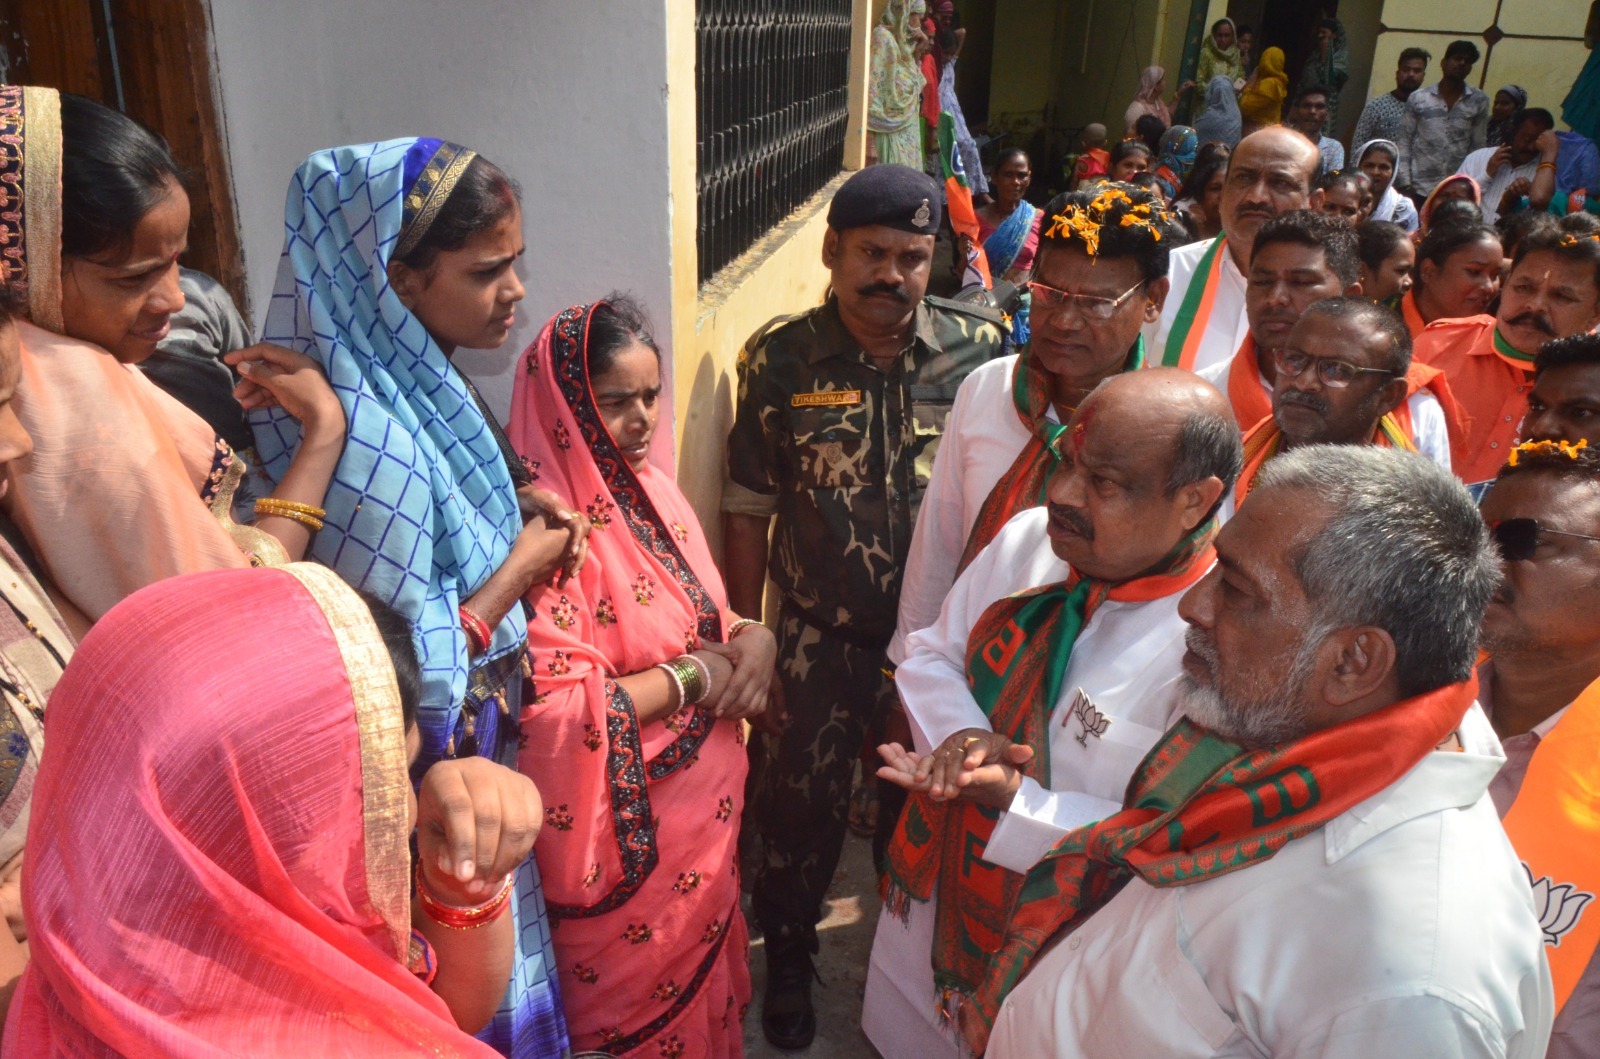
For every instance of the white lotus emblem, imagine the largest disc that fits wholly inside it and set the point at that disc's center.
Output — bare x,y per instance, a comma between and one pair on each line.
1560,905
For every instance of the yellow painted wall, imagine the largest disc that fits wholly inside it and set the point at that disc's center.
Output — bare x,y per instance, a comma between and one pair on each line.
782,274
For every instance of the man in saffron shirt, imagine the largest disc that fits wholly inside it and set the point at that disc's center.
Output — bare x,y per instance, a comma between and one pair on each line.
1553,291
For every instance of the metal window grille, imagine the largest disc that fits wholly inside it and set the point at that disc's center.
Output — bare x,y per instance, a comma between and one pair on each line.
773,104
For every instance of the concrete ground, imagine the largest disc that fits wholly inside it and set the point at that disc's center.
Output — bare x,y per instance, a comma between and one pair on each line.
845,938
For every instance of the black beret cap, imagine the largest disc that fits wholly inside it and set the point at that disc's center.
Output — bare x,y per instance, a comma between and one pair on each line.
894,196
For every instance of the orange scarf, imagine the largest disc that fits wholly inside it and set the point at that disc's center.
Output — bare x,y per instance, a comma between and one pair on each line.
1251,401
1411,314
1263,441
1554,825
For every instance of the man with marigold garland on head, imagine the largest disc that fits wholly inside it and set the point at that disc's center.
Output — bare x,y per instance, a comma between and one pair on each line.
1309,862
1050,670
1099,275
1541,688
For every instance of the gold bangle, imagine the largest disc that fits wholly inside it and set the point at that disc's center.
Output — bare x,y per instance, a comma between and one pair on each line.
740,626
310,521
695,678
277,506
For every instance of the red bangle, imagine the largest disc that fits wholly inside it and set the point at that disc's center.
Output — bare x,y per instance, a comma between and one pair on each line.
465,918
479,636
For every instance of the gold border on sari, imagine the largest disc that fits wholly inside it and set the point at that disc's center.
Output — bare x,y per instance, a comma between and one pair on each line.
30,198
421,205
385,776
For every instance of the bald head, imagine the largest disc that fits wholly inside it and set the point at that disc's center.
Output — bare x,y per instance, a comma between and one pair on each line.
1270,172
1147,458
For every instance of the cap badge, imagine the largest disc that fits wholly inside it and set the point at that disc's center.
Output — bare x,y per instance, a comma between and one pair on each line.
922,216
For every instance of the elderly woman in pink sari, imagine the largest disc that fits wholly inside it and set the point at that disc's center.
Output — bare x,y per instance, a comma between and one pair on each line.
220,879
631,731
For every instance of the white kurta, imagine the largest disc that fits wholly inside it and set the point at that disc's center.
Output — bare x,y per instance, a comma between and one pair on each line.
981,441
1405,927
1127,661
1428,429
1227,327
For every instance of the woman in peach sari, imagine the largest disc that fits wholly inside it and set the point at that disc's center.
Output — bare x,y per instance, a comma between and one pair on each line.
640,675
125,485
225,880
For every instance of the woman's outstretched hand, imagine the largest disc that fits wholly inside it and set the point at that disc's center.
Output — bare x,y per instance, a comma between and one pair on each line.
476,821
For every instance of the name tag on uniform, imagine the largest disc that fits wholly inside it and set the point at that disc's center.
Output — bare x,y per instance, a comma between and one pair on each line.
825,398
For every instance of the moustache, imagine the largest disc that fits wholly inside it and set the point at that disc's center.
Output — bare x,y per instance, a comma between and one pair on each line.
1538,321
1203,649
890,289
1311,401
1080,524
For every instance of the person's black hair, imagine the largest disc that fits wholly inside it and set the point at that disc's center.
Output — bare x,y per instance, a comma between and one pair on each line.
1329,181
1517,226
617,322
1581,465
1150,129
1542,117
1329,24
1310,90
1009,153
1194,185
1313,228
1455,212
482,198
1581,348
1126,147
1408,54
113,172
1146,180
1211,151
946,37
13,303
402,647
1381,318
1149,244
1444,240
1241,28
1378,240
1208,446
1577,246
1463,47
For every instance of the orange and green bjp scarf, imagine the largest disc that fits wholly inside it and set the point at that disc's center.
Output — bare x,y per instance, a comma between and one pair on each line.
1017,656
1199,807
1554,825
1023,485
1264,441
1194,312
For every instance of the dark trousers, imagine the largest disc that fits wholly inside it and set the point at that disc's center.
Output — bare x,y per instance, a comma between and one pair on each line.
835,693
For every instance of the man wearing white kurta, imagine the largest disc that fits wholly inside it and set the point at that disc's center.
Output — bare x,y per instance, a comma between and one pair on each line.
1300,258
1143,431
1270,172
1073,350
1330,654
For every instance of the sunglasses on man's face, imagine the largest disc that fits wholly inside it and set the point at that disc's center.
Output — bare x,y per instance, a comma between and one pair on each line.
1518,538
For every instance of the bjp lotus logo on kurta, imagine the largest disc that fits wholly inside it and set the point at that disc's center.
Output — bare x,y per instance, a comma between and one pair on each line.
1093,721
1560,905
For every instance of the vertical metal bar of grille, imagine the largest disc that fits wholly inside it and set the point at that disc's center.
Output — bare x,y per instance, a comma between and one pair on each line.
772,109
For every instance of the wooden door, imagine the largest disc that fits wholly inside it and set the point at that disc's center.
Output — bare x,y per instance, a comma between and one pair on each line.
151,60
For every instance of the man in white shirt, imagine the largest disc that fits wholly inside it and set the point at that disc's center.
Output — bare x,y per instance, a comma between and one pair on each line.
1080,671
1309,863
1541,688
1514,166
1203,320
1300,258
995,455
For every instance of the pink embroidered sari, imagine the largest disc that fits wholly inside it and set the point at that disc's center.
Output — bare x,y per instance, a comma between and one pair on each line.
217,862
638,853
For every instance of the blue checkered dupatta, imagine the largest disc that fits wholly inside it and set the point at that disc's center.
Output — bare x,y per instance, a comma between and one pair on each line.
421,509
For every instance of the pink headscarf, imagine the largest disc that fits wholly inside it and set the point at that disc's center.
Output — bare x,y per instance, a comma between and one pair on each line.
217,862
648,591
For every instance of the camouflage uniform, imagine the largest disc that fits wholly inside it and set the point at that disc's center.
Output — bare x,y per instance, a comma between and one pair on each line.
839,450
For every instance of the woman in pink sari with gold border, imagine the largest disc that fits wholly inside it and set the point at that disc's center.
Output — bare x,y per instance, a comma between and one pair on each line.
641,764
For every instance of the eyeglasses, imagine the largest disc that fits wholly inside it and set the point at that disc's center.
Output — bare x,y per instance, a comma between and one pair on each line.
1517,538
1334,374
1050,300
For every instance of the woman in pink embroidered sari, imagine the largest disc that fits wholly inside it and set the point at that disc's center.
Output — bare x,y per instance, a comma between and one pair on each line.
643,791
228,873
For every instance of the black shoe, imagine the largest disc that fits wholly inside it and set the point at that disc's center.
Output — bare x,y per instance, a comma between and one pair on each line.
787,1016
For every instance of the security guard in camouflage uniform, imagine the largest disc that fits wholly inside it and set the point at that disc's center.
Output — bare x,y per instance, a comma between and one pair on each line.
840,411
